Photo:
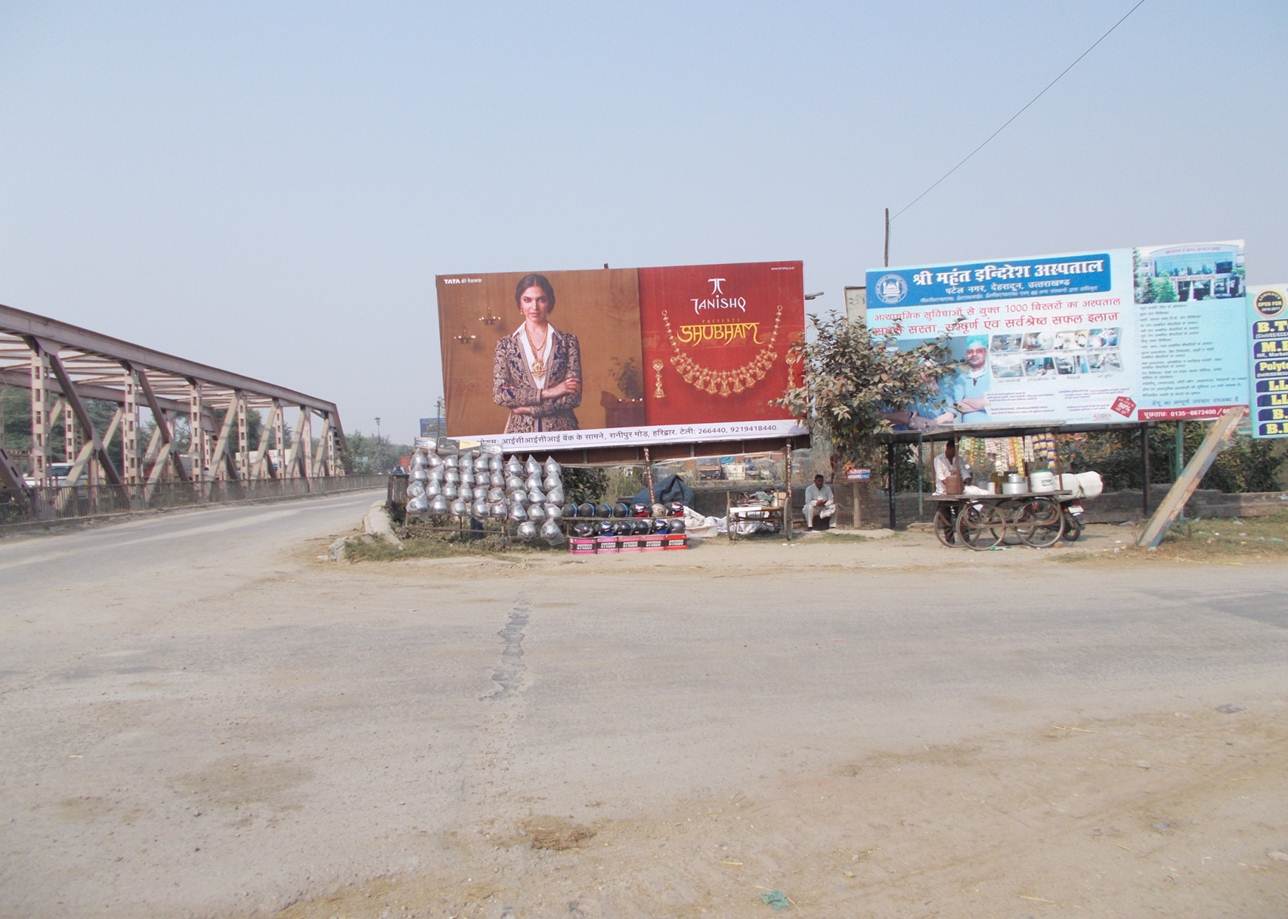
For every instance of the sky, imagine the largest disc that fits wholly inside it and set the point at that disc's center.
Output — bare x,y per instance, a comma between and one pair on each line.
271,188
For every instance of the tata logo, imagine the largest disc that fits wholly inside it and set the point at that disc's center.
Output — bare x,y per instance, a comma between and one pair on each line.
891,289
718,300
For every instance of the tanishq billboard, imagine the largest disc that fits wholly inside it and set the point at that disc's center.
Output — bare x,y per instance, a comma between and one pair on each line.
582,359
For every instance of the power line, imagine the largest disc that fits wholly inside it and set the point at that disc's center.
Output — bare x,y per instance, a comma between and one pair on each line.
964,159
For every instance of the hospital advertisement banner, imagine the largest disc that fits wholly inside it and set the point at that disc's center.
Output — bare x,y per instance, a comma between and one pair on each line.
1268,351
1152,333
553,360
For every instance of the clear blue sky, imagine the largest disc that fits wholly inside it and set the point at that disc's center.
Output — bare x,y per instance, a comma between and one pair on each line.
272,187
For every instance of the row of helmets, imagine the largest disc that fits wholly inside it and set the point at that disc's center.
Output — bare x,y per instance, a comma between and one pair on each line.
637,526
477,483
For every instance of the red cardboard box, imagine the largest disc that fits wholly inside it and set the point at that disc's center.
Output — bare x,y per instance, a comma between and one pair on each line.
677,541
606,544
581,545
629,543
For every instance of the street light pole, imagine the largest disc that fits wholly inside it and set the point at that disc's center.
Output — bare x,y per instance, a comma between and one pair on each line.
378,457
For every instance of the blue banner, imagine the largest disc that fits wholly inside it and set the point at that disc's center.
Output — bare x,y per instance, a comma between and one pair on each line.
1011,279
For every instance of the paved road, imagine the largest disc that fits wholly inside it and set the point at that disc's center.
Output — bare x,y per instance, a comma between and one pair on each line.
200,718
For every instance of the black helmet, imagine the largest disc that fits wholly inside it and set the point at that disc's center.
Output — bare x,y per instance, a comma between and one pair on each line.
586,510
661,525
583,529
620,510
677,526
623,528
640,510
570,510
603,510
641,527
606,528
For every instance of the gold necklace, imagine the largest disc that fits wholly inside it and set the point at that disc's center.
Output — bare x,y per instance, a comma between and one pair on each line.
538,365
723,382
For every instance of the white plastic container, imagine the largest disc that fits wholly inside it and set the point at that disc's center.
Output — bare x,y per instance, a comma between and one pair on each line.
1042,482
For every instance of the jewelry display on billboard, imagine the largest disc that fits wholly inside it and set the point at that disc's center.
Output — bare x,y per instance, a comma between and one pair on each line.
538,365
722,382
658,392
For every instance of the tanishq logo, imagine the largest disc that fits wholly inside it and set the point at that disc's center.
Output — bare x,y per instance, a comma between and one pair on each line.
717,300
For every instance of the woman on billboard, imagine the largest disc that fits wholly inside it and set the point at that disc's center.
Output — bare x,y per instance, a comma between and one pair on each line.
536,372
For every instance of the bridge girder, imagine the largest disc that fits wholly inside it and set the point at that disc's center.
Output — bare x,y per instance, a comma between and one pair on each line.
63,365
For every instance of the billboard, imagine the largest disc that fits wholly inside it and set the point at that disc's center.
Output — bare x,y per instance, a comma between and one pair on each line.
618,357
1268,347
1098,337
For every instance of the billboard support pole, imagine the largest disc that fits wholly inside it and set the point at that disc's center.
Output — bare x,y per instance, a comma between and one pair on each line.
648,477
890,480
787,484
1218,438
1145,470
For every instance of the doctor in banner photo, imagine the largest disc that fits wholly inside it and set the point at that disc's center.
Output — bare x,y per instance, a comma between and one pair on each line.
1110,336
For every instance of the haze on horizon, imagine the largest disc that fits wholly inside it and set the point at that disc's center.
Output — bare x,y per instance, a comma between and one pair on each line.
272,190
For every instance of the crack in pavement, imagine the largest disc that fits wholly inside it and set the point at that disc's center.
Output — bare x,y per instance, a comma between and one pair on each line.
508,674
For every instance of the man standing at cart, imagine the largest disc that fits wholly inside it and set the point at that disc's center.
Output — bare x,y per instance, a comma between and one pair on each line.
949,464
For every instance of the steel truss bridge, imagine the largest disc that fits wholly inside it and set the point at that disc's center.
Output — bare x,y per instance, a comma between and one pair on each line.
64,366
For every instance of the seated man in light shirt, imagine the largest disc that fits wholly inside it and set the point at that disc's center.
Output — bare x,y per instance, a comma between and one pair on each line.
820,505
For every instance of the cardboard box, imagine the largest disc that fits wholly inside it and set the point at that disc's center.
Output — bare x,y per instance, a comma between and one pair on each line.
676,541
581,545
606,544
629,543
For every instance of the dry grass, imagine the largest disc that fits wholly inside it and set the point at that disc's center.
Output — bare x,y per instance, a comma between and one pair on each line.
1231,540
432,545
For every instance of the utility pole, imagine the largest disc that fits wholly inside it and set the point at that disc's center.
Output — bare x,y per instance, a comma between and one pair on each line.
438,418
886,260
379,457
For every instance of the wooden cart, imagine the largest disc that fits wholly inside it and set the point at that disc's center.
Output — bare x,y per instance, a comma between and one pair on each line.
984,521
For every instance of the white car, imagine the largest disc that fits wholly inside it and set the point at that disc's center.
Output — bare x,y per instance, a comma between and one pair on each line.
57,476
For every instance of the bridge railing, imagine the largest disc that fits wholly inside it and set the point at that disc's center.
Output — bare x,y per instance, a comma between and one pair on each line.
57,502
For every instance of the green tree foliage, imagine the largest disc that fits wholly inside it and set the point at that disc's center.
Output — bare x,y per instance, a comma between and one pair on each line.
369,455
1164,291
850,378
1246,465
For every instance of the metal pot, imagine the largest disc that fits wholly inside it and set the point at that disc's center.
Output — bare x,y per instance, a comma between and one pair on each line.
536,496
532,467
438,505
551,481
480,492
536,512
419,474
416,489
452,476
1015,488
433,489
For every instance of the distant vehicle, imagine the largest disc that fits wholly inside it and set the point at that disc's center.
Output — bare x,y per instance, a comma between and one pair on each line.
58,473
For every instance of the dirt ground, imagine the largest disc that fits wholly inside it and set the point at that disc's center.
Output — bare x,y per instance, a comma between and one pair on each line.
830,727
1166,813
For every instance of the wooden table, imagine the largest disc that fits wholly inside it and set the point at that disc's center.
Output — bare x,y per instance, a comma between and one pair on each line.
983,521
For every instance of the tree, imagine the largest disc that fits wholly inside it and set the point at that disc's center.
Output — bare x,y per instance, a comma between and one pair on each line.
851,378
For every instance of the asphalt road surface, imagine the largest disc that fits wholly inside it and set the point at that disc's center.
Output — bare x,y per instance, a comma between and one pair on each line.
199,717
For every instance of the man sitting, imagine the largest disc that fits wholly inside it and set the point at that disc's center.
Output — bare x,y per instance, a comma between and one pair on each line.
820,505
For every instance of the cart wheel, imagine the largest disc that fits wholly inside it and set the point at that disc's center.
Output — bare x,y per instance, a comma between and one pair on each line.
1039,522
1072,527
945,527
979,525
